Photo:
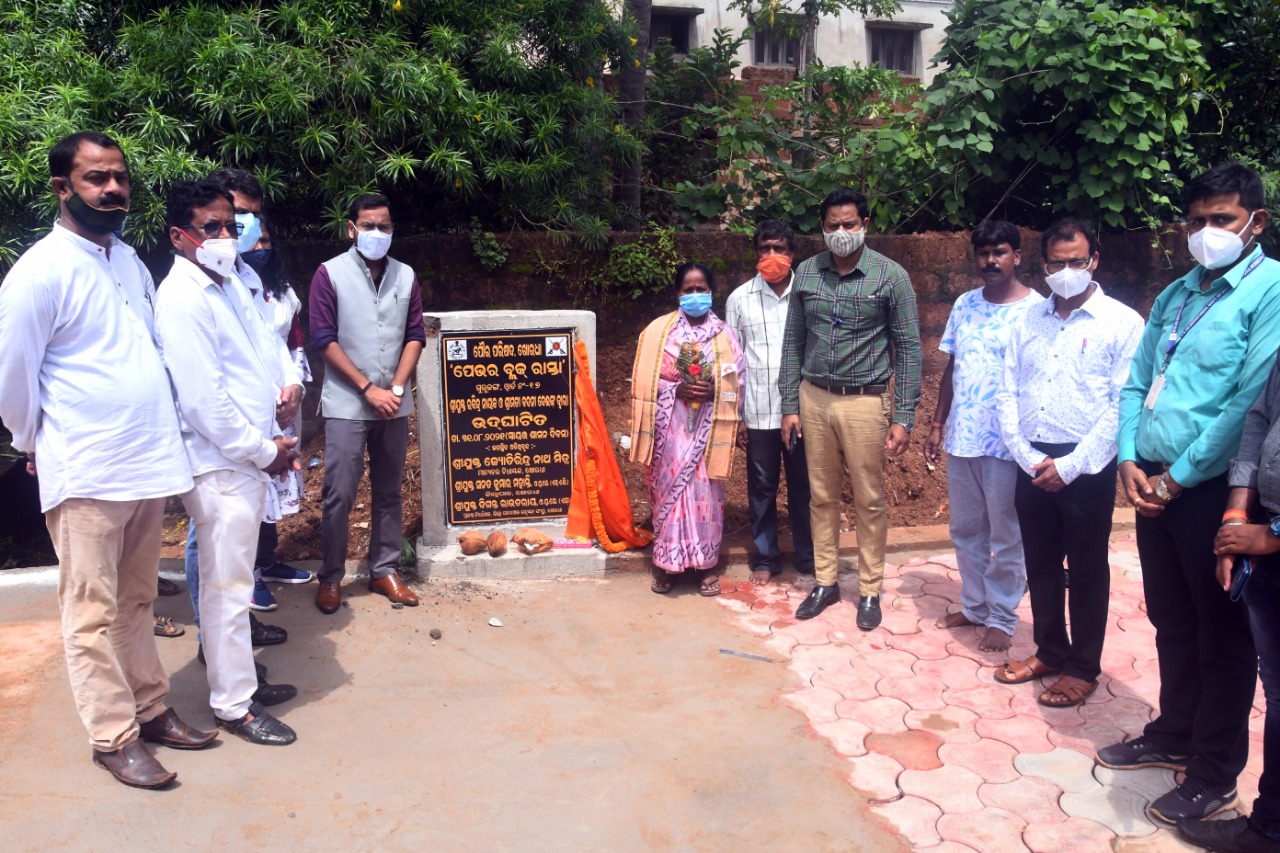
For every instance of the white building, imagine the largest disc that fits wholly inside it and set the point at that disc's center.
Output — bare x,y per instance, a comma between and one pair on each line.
904,43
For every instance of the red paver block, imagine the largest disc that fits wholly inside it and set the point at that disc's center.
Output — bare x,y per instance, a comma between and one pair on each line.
1139,624
899,621
780,644
957,673
818,704
1034,800
966,646
913,750
1129,715
928,606
1163,841
914,561
1118,664
812,632
858,683
884,660
1028,735
908,585
1135,644
846,737
989,701
882,714
1024,703
947,560
915,819
947,847
951,724
1068,835
990,759
989,830
929,643
875,776
945,587
1088,738
919,692
807,661
952,789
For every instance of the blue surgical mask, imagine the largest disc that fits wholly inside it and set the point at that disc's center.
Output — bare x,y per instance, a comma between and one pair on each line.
695,304
251,231
258,258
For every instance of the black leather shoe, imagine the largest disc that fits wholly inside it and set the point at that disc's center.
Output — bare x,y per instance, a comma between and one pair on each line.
260,668
819,600
869,612
258,726
1230,836
273,694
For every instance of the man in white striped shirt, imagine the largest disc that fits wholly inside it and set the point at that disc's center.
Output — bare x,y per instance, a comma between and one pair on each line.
757,313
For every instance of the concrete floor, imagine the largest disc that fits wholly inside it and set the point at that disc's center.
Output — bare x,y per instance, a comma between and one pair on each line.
600,717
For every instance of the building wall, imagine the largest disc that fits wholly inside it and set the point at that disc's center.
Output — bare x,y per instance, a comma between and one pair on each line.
841,40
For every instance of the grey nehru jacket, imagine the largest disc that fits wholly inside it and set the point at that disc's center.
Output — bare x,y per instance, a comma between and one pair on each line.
371,331
1257,466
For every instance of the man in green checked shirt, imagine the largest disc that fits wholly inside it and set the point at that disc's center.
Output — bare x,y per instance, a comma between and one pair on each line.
852,332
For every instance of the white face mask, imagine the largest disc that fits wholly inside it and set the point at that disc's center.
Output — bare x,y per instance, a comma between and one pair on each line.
1067,282
1215,248
844,243
218,255
252,232
374,245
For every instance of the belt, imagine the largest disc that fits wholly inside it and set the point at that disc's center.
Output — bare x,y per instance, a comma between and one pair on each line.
1149,468
852,390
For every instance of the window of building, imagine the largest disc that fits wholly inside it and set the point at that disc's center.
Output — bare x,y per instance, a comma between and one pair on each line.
676,25
895,46
774,46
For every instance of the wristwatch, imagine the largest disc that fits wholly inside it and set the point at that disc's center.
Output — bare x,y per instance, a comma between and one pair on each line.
1275,526
397,390
1162,489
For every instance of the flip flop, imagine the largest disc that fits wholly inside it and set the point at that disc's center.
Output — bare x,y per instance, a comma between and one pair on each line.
709,585
1022,671
166,627
662,584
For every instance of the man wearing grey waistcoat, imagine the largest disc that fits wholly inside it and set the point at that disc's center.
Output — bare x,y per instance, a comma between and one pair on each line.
370,348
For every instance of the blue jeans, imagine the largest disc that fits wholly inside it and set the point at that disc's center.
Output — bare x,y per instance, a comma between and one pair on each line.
1263,597
988,540
191,566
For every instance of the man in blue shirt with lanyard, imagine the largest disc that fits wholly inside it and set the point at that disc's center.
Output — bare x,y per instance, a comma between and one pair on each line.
1204,357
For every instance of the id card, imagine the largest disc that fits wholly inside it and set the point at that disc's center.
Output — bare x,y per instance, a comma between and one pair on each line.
1154,394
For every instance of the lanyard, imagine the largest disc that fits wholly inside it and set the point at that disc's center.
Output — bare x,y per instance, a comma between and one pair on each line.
1176,337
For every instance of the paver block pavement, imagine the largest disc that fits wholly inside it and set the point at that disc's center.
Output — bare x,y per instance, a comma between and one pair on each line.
1119,809
951,724
818,704
913,750
952,789
1027,735
1068,835
1033,799
847,737
881,714
1148,782
916,691
956,673
1070,770
990,830
925,644
990,759
911,817
875,776
1087,738
988,701
857,683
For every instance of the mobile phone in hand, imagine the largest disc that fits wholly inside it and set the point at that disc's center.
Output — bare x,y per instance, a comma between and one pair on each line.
791,443
1240,574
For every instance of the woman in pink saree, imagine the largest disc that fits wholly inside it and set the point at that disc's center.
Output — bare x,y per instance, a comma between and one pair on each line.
686,397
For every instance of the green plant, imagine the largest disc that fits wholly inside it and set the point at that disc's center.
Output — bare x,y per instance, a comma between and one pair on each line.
643,266
488,251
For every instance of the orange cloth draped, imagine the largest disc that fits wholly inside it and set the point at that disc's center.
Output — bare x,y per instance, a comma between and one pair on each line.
599,507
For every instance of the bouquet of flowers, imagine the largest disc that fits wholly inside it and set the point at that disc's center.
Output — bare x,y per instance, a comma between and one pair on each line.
692,367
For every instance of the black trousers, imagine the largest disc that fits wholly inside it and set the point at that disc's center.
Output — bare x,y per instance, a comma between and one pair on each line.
1072,524
766,457
1208,666
268,540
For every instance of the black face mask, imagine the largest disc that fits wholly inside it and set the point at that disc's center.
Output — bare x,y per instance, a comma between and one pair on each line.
96,219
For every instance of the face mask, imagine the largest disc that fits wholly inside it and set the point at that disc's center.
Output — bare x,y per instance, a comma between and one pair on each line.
844,243
251,231
374,245
695,304
99,220
1215,248
216,255
773,268
1067,282
258,258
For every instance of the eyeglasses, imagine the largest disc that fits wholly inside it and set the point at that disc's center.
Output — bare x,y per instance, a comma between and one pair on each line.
1052,267
214,228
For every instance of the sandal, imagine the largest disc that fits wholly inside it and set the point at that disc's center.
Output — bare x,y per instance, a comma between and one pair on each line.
663,582
1067,691
709,585
166,627
1022,671
262,634
164,586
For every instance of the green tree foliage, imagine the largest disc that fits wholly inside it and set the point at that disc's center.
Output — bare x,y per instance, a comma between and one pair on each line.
455,107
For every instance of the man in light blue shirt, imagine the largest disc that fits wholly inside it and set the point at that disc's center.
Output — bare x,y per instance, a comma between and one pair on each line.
1208,346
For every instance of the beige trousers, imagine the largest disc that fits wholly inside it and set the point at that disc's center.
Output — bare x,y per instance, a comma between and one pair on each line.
108,557
842,432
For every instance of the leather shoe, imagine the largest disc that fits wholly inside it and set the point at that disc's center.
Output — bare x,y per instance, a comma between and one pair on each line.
258,726
134,766
819,600
1229,836
169,729
273,694
395,589
869,612
329,597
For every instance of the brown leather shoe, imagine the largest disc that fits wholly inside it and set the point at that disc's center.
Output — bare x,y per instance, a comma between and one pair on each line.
329,597
169,730
394,588
134,766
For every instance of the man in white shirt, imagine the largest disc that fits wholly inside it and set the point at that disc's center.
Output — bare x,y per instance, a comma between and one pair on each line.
1059,404
85,394
222,373
757,313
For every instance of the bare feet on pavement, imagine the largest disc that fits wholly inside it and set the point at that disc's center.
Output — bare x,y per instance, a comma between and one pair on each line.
761,577
995,640
956,620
